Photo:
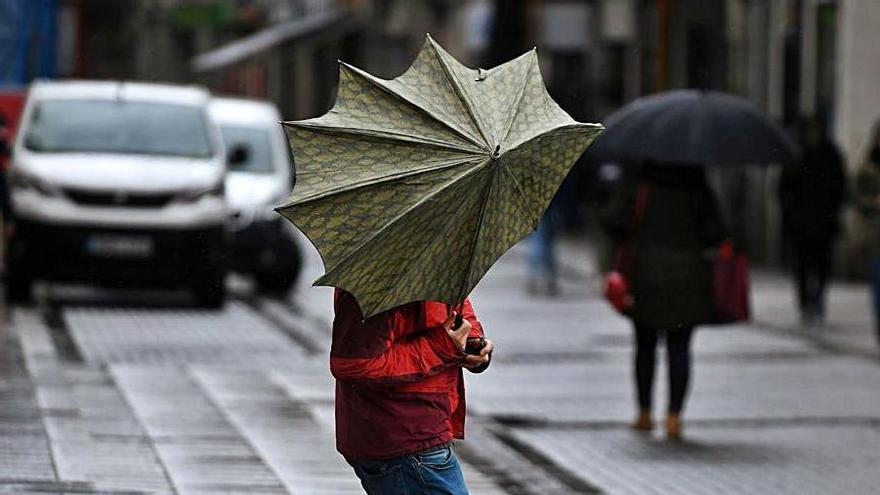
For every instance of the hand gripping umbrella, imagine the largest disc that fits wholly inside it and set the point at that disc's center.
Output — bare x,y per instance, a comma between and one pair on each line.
412,188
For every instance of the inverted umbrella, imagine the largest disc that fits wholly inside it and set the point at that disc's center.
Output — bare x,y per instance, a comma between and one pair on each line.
412,188
694,127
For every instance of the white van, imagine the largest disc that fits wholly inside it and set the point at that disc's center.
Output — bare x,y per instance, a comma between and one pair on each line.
118,183
259,177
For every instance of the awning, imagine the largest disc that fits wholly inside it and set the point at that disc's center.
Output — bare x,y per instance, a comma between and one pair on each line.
266,39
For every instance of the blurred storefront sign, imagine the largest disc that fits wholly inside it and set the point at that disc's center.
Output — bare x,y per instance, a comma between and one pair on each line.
477,17
11,104
617,21
565,26
217,14
69,33
28,31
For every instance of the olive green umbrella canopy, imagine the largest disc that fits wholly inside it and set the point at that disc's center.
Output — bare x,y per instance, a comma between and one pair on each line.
412,188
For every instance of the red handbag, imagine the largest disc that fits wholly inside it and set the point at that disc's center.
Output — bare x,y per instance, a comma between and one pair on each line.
731,281
617,289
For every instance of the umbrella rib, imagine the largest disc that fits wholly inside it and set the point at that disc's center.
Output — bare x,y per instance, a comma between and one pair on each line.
384,85
562,127
462,291
382,180
518,102
517,186
391,136
460,91
405,213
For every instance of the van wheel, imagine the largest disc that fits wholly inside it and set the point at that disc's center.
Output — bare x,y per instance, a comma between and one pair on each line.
210,292
280,278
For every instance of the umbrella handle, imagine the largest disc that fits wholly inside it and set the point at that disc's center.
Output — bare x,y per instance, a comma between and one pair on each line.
459,319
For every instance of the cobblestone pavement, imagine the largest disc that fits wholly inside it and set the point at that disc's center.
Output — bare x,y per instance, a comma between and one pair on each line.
115,396
129,399
774,408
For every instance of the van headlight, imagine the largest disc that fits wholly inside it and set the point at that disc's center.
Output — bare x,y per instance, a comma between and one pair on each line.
19,180
195,194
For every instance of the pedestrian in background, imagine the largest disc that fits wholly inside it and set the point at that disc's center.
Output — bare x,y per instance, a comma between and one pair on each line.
811,193
542,265
400,393
671,276
868,205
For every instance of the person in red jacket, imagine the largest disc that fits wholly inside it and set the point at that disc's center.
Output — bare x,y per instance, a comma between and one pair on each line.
400,393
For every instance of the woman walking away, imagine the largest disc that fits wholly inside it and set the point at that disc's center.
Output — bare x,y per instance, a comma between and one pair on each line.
669,217
868,203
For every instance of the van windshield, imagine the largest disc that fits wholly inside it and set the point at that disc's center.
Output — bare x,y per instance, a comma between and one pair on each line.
103,126
253,146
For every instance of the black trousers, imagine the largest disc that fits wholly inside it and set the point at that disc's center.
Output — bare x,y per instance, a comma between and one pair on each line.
678,353
812,267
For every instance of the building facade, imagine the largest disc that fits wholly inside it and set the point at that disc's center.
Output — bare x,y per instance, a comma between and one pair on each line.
792,58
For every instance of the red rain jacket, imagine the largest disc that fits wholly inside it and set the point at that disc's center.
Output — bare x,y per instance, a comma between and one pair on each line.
399,383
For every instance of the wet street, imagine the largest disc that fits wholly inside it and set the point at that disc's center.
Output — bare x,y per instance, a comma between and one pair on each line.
129,394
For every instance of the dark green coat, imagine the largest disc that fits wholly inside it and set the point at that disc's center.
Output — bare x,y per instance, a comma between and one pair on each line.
671,273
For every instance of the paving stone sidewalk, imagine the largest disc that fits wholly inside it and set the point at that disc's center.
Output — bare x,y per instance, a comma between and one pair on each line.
775,408
114,400
176,401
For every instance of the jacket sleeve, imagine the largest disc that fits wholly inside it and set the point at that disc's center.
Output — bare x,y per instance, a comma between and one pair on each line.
468,313
476,331
399,360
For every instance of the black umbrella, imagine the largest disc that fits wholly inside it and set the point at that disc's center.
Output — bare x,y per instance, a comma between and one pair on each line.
693,127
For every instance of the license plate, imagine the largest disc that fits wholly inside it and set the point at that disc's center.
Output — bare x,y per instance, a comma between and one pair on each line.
119,246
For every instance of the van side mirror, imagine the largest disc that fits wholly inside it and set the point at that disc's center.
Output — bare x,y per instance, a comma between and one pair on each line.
238,154
33,142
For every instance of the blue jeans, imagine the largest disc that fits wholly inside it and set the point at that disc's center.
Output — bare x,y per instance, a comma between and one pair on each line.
433,472
542,252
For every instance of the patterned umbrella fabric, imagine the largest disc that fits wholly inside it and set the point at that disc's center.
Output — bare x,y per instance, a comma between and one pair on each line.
412,188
